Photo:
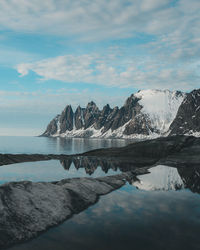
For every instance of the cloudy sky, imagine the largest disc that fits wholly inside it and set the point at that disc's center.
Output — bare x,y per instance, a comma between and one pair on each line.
58,52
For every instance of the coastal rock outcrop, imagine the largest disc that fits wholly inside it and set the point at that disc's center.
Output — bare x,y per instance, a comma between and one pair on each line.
28,208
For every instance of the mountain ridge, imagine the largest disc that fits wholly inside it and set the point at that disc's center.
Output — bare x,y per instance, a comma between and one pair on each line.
145,114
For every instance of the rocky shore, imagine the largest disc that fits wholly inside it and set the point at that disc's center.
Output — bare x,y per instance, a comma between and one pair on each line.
28,208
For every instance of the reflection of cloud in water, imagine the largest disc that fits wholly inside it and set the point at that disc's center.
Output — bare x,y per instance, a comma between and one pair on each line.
137,203
160,219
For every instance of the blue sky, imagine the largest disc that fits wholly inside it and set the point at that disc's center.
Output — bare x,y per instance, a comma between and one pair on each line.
59,52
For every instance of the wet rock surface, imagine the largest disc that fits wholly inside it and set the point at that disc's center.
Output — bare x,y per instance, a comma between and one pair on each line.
28,208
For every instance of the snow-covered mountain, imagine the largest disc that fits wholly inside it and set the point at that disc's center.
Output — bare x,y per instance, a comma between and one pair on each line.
146,114
160,178
160,106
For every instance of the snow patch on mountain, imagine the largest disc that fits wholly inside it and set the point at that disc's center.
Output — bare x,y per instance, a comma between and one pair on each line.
160,106
91,132
192,133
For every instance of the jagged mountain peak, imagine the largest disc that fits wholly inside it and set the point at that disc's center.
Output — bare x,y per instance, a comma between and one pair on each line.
67,109
106,109
145,113
131,100
91,104
107,106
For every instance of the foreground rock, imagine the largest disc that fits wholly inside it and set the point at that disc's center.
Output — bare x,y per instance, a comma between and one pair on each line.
174,150
6,159
27,208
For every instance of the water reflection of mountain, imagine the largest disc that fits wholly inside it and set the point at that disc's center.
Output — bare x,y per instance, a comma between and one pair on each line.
162,178
190,178
90,164
159,177
75,145
168,178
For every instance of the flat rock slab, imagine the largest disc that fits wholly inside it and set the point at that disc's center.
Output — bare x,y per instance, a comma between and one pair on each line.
28,208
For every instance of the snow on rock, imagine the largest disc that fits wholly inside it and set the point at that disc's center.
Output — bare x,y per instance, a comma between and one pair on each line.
192,133
160,106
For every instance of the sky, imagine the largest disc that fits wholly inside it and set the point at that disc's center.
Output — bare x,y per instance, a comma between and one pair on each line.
59,52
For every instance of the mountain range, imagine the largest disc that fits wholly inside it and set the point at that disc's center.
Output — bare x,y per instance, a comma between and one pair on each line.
145,114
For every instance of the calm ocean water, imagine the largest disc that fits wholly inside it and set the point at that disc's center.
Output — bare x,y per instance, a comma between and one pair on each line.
44,145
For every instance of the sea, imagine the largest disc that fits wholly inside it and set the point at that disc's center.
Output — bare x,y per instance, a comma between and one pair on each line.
159,210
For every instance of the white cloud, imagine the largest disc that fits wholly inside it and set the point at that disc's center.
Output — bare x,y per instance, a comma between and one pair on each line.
77,17
107,71
96,20
175,28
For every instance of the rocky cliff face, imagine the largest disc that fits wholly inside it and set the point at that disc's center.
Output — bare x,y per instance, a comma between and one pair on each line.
146,113
187,120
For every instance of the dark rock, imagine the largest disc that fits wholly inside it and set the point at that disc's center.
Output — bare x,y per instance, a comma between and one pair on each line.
188,116
6,159
110,119
139,125
103,117
66,119
52,127
91,114
79,118
190,178
28,208
174,150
